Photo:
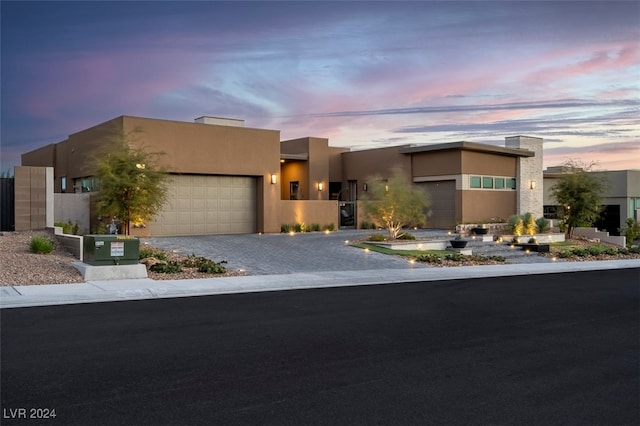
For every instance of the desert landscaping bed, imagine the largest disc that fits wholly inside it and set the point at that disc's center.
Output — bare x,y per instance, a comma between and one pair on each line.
18,266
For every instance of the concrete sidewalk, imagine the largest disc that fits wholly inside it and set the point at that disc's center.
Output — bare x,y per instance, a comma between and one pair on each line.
138,289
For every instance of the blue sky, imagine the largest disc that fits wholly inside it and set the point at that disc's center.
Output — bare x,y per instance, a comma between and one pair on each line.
363,74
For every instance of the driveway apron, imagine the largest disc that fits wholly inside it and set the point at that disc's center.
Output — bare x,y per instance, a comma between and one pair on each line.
269,254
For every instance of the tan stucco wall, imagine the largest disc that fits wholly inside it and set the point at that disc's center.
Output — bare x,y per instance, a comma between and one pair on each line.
361,165
322,212
482,163
308,172
41,157
436,163
335,163
484,206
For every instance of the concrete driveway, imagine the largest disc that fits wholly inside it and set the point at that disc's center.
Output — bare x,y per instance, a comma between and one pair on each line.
270,254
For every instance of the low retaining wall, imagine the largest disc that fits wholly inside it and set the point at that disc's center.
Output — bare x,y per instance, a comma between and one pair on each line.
414,245
73,243
594,234
554,237
492,228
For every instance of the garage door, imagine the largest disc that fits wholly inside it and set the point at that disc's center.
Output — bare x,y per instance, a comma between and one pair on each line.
443,203
201,205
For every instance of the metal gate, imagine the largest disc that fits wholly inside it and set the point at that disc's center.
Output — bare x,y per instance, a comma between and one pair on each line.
7,204
347,214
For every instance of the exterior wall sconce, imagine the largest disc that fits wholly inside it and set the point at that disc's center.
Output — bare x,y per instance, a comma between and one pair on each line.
274,179
320,186
532,185
365,187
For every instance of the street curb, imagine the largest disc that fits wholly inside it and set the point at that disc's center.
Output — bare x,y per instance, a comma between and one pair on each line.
148,289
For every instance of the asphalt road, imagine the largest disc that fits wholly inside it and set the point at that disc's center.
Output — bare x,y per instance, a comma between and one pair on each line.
560,349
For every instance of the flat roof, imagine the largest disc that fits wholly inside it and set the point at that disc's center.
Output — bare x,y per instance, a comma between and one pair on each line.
468,146
284,156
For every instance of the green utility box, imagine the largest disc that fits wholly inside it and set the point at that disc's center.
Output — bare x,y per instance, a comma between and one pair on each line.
104,250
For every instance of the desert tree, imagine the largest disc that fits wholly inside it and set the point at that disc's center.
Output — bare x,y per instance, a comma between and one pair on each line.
395,202
579,194
132,183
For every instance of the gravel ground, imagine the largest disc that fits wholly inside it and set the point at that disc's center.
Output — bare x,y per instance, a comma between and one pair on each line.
20,267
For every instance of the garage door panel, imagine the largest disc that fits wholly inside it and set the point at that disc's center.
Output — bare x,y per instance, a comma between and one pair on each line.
200,205
443,203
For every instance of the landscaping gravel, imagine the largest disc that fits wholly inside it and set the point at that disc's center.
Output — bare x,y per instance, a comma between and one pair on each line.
18,266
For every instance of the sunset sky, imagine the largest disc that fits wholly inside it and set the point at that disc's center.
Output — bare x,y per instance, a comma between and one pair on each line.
362,74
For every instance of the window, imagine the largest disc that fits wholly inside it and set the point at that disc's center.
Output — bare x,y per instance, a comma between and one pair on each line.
294,190
491,182
63,184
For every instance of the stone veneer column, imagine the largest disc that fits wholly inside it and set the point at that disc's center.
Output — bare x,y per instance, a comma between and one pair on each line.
529,170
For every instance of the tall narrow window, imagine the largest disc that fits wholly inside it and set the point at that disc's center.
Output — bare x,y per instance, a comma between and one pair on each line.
63,184
294,190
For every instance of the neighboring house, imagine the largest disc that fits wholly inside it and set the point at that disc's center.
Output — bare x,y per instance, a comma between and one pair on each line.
621,199
227,178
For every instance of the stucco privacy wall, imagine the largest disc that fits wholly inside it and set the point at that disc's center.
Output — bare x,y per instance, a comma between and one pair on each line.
33,197
322,212
529,179
73,207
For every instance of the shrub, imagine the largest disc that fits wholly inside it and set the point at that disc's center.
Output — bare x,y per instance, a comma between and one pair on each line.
377,237
41,245
543,225
429,258
533,240
406,236
68,227
600,250
147,252
315,227
566,254
529,224
210,267
367,225
171,267
454,256
580,252
299,227
330,227
516,224
631,231
286,228
204,265
101,229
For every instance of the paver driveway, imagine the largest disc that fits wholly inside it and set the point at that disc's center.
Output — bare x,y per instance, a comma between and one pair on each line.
283,253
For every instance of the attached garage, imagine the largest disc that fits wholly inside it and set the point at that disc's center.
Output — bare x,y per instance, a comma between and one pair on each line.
442,194
202,205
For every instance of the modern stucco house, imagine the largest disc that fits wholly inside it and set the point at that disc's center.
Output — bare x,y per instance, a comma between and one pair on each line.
228,178
621,198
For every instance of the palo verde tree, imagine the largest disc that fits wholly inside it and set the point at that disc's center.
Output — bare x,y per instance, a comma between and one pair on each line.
395,203
132,184
579,194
